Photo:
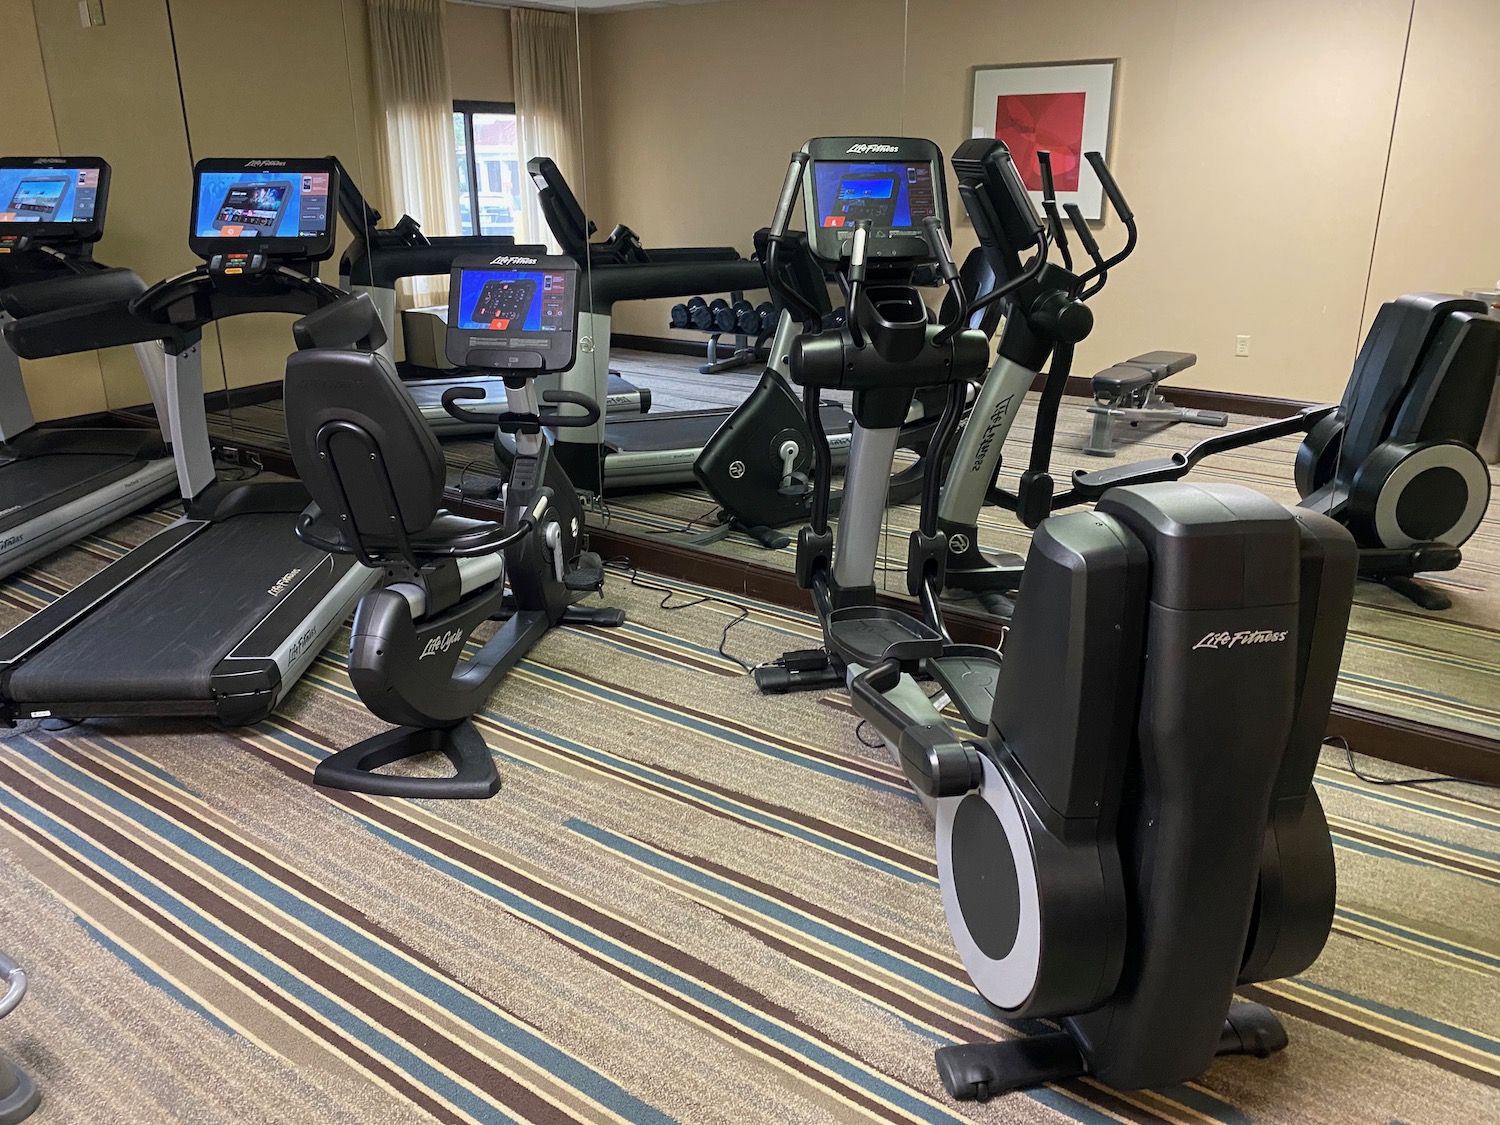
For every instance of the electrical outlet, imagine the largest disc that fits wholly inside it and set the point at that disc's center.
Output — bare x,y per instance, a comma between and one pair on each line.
1242,347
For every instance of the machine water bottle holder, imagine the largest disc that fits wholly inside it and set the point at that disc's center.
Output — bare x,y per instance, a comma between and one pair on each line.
867,635
894,318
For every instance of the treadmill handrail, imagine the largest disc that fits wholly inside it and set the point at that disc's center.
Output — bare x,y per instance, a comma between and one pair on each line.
605,285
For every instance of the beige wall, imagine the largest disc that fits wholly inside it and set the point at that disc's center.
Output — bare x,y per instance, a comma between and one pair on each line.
479,59
1250,137
318,106
66,385
689,148
114,91
1440,226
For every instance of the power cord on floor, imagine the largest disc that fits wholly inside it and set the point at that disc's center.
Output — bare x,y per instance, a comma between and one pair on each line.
625,566
713,510
1340,743
863,741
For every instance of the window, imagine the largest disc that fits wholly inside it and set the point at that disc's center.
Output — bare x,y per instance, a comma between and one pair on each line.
489,167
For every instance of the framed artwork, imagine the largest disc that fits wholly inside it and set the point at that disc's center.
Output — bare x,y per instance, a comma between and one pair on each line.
1061,107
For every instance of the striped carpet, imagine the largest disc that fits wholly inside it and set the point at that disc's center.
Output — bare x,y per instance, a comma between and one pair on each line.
688,904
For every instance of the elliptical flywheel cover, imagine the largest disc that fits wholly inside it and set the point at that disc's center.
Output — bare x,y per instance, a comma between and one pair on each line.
1408,495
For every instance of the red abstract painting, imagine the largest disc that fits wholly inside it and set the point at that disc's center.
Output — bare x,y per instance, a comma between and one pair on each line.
1027,122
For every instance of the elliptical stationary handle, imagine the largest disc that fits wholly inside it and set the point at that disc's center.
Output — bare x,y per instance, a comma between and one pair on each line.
789,186
1111,188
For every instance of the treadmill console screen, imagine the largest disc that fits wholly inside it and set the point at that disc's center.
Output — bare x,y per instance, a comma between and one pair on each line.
289,204
56,196
514,311
894,184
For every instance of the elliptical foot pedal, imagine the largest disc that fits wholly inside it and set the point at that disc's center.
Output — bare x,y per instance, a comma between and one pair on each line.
869,635
968,673
585,575
474,776
979,1071
1251,1029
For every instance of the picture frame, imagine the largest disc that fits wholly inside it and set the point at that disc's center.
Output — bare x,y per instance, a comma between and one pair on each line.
1064,107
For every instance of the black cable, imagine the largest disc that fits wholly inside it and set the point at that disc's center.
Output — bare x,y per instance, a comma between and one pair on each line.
878,744
622,563
1432,779
713,509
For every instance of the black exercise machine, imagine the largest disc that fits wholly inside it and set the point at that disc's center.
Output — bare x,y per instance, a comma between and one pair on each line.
61,482
1396,460
221,611
872,222
1127,828
376,473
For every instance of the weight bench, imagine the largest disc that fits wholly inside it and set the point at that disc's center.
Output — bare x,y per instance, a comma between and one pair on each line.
1129,391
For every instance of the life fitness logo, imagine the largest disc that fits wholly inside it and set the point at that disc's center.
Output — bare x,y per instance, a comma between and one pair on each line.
1244,637
509,260
265,164
865,150
442,643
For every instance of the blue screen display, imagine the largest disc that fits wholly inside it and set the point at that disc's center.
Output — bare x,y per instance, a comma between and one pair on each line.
889,195
283,203
48,195
515,301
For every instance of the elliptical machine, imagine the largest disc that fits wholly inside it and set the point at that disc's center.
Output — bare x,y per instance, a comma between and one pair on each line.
1127,829
376,473
876,213
1396,461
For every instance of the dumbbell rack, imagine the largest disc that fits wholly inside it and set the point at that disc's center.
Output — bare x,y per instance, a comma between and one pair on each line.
746,351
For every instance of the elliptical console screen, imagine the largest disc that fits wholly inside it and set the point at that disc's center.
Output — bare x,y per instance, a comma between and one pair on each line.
53,195
893,183
888,195
513,312
287,203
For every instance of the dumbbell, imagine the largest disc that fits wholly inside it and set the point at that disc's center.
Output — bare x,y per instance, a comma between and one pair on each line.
723,315
745,318
681,317
700,316
766,313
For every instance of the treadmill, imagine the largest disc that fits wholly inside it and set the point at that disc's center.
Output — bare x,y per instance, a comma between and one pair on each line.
378,258
60,483
218,614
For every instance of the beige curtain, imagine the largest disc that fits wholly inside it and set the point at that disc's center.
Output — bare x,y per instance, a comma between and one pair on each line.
549,110
410,62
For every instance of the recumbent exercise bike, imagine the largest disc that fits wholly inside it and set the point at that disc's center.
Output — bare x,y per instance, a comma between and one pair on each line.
376,474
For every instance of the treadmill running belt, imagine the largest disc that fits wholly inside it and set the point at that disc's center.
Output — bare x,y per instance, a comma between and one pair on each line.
160,637
34,480
652,433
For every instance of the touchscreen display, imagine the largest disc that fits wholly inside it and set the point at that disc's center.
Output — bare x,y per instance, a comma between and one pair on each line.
48,195
889,195
283,203
515,301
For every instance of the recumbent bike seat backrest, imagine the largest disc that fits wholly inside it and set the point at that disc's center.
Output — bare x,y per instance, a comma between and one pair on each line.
351,403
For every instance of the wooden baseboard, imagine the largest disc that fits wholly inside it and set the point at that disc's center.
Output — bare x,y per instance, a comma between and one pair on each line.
1193,398
1370,734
